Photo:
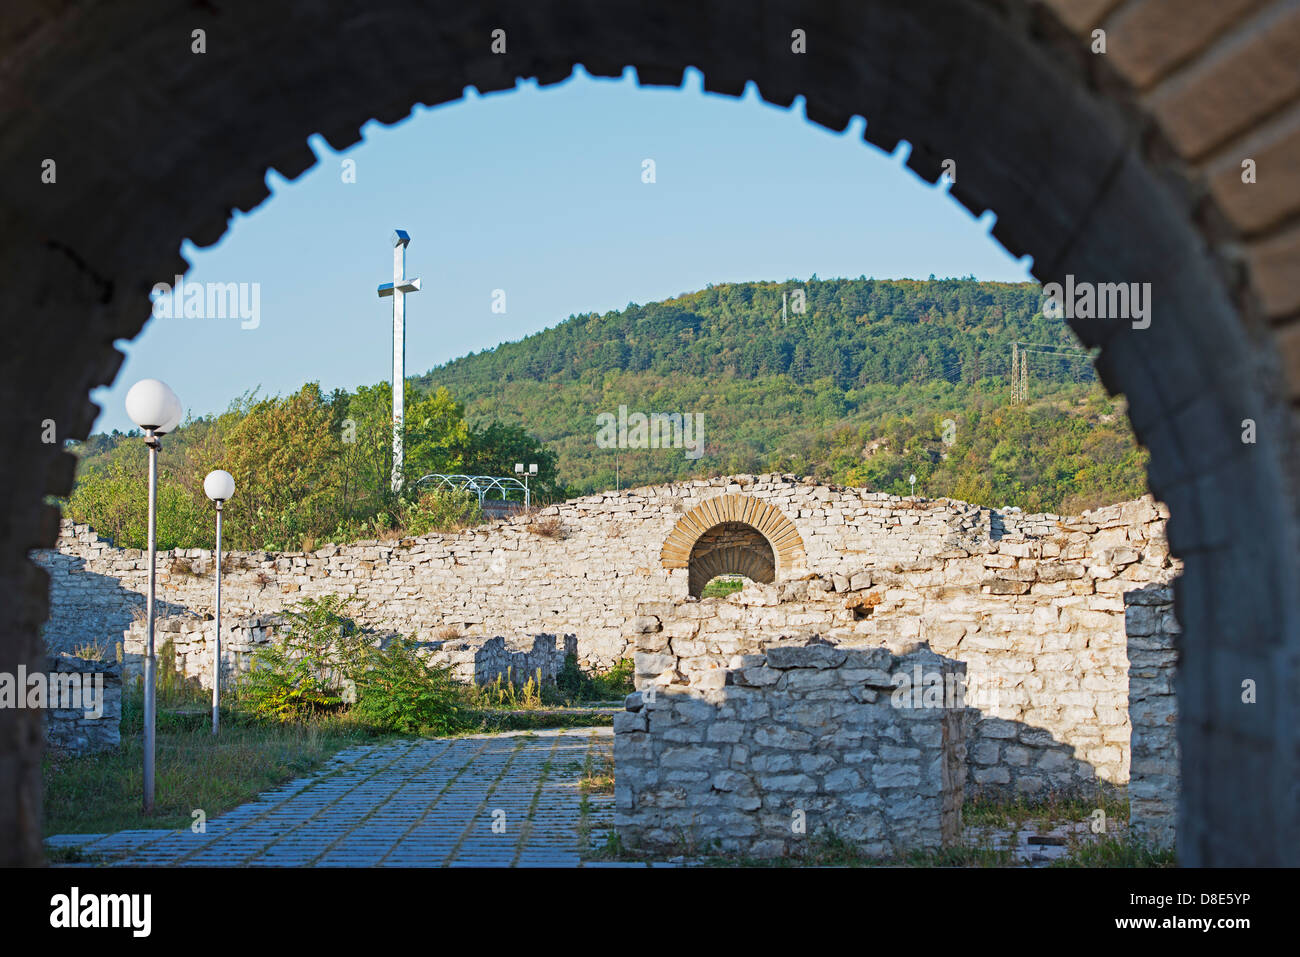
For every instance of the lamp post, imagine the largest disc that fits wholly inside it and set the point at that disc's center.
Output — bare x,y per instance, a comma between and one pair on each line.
156,409
218,486
912,478
532,470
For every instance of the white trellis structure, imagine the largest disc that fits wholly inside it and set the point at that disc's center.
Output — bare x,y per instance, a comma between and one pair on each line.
480,485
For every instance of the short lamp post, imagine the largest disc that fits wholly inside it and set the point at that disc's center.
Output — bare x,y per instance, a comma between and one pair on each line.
218,486
912,479
156,409
532,470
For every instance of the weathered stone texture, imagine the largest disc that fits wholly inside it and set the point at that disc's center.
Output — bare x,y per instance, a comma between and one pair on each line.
74,730
478,660
774,749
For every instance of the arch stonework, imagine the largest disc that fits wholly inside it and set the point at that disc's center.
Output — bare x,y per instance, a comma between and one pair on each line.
680,545
1117,167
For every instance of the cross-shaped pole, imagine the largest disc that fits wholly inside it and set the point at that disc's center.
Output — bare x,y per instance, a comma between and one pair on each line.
398,289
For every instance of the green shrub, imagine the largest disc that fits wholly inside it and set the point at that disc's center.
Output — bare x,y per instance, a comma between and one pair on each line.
617,682
441,510
324,663
397,690
577,685
305,672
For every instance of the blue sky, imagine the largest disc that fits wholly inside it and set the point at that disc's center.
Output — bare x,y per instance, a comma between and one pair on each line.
539,192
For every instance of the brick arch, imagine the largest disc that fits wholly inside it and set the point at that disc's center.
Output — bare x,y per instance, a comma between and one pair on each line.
1122,167
721,512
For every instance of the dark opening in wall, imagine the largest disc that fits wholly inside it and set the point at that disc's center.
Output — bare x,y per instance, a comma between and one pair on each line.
731,548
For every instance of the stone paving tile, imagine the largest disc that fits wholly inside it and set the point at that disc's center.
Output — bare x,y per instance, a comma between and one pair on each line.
477,801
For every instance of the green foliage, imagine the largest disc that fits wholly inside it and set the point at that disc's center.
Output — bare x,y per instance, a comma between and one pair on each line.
855,390
307,467
574,684
324,661
113,498
397,690
304,673
506,692
722,587
441,510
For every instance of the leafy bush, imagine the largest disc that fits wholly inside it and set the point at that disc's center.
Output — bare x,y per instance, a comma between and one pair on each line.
324,663
114,501
577,685
397,690
617,682
305,673
442,510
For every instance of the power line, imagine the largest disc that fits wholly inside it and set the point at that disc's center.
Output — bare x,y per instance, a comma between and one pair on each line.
1020,352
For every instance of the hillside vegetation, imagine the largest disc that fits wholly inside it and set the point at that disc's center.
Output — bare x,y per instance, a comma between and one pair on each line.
861,382
855,389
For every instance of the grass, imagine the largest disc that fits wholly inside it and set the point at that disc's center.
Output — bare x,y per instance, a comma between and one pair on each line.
97,793
722,587
91,794
1116,852
596,780
828,849
982,811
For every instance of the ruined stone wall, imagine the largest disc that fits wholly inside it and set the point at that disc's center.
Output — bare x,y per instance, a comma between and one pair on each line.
509,576
783,746
1034,605
75,730
480,660
1153,789
1037,614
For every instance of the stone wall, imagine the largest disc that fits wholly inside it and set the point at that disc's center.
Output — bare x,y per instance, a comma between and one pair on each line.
511,576
781,746
1033,605
1153,789
473,659
72,730
723,740
1037,615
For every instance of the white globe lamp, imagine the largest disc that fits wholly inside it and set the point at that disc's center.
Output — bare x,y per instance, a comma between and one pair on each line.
154,407
219,485
151,404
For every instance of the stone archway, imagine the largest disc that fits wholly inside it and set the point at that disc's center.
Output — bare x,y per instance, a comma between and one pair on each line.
1117,167
733,534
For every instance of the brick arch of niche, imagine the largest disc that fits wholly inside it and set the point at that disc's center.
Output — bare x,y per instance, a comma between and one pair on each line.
768,521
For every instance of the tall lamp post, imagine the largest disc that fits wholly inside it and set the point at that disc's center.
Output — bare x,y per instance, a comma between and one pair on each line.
519,470
218,486
154,407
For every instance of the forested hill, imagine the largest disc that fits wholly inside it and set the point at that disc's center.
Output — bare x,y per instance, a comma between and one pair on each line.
852,332
855,387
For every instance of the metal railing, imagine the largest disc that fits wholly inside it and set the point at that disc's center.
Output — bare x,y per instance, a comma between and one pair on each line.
480,485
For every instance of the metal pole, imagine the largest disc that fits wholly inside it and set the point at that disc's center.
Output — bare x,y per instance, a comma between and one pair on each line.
150,705
216,645
527,499
399,365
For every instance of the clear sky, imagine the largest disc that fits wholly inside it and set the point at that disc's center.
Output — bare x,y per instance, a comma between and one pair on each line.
539,192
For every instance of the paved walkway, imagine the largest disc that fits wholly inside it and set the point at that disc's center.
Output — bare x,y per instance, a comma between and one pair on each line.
496,800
